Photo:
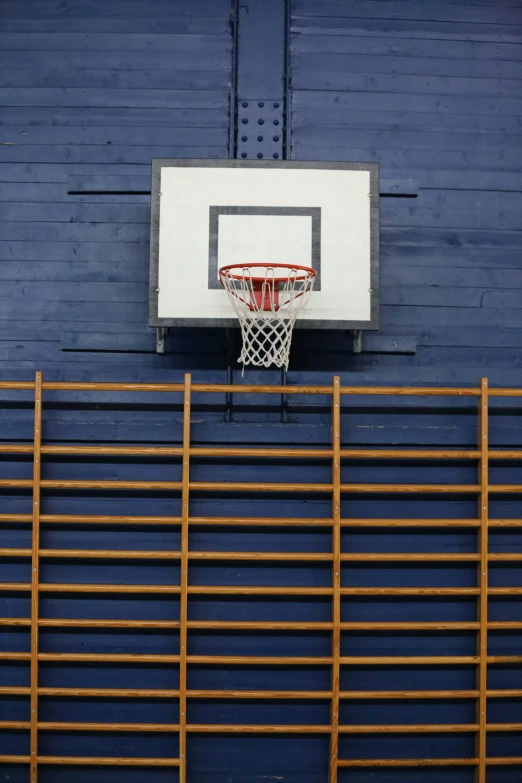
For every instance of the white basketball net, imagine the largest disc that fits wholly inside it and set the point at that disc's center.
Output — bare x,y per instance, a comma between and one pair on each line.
267,301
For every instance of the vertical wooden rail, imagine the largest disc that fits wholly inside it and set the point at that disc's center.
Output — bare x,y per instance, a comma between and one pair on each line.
482,641
336,575
35,575
183,609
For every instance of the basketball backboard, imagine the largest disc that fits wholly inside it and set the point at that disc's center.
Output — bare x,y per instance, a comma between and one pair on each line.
207,214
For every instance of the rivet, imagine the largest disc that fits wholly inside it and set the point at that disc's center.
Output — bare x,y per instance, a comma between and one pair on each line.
260,104
259,154
276,138
260,138
275,155
276,106
244,121
244,138
157,290
276,122
260,122
244,104
160,194
243,154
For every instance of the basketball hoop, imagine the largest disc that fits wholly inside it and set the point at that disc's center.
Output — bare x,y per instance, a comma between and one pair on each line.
267,300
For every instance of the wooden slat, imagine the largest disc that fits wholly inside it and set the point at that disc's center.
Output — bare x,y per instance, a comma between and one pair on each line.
35,575
246,389
165,728
185,500
248,486
336,578
449,762
482,580
436,728
94,761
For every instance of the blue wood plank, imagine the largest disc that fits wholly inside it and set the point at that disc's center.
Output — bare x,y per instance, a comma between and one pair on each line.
153,137
407,28
142,98
57,172
73,292
336,62
187,54
402,159
100,9
192,25
429,11
473,336
196,79
452,277
396,315
111,182
129,213
59,192
127,271
426,85
97,232
99,153
453,50
171,118
369,101
469,257
181,341
394,120
20,250
384,139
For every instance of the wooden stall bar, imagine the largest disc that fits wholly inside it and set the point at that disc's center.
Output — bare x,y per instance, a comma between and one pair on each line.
179,495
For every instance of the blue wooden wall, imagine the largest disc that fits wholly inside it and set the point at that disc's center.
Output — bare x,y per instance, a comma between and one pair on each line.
91,91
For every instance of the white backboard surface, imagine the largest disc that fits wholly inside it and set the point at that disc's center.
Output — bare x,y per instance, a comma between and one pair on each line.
208,214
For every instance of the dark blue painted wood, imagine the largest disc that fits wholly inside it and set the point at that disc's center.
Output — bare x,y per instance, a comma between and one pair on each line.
431,91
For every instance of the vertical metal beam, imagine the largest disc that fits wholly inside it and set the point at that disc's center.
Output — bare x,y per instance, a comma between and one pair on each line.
232,128
35,575
336,576
261,79
482,640
183,610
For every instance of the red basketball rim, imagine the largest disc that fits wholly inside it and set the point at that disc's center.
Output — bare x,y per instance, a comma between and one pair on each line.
309,272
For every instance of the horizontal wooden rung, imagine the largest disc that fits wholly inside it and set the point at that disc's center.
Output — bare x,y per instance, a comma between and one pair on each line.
449,762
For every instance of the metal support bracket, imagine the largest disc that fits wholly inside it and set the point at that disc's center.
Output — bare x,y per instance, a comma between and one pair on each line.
260,128
160,339
357,341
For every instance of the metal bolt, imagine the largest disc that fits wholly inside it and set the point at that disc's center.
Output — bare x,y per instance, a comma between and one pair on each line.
244,138
160,194
275,155
260,138
244,121
276,122
260,122
260,104
245,104
157,290
260,155
243,154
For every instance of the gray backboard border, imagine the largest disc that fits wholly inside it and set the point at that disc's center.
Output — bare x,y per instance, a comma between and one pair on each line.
160,163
